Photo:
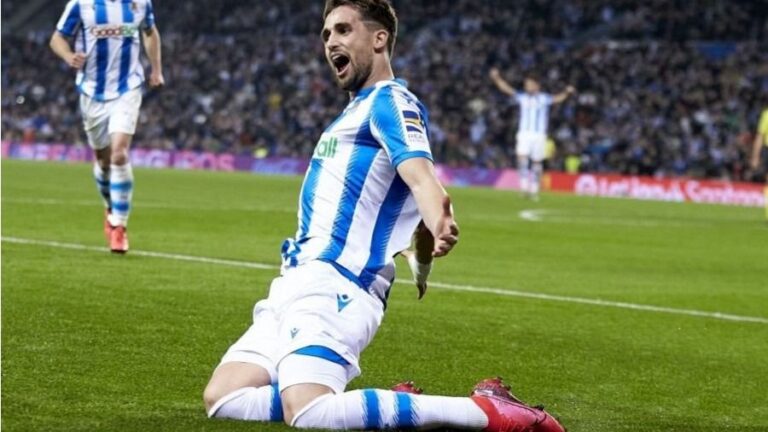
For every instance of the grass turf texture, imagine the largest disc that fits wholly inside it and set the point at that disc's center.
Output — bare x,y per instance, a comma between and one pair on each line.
93,341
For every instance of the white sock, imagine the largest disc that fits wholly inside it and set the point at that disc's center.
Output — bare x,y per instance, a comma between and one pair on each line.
522,174
250,403
120,193
102,183
382,409
536,172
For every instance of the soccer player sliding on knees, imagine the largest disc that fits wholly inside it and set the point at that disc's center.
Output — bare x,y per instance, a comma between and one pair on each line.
369,186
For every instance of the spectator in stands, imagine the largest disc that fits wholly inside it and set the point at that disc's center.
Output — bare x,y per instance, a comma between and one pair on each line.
651,101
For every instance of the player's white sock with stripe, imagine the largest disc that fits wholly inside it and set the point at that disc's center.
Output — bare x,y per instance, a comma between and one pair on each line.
536,172
250,403
383,409
522,175
120,193
102,183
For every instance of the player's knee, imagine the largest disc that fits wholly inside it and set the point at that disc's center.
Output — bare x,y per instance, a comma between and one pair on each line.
291,407
119,157
212,393
119,148
296,398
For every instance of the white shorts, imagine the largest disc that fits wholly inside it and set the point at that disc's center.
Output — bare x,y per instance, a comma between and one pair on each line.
314,306
101,119
532,145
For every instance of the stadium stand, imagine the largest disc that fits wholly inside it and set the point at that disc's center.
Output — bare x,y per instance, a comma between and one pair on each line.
665,88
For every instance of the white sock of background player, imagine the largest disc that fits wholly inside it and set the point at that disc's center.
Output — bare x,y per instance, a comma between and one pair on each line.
536,172
121,193
523,174
102,183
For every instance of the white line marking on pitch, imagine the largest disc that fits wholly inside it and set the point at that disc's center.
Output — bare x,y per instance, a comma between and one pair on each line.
546,215
453,287
170,256
532,215
153,205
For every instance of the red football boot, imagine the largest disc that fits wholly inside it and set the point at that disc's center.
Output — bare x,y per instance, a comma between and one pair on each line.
506,413
118,240
407,387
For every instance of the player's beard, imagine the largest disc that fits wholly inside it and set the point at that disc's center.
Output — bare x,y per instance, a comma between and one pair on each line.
357,76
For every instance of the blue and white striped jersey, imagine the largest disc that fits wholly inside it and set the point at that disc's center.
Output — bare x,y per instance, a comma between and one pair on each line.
355,212
107,31
534,112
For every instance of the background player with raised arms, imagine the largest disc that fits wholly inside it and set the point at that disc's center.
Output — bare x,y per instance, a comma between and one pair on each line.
532,127
106,35
369,184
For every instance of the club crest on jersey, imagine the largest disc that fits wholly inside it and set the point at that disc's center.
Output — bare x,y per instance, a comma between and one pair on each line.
327,146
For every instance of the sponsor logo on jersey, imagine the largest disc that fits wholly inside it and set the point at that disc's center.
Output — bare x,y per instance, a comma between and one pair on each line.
327,147
114,30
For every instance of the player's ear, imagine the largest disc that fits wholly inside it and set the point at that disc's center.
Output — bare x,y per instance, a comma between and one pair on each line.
380,39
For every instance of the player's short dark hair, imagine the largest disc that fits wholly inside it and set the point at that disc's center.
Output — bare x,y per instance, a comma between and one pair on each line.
377,11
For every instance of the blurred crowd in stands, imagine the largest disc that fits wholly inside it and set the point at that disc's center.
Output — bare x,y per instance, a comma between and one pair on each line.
665,88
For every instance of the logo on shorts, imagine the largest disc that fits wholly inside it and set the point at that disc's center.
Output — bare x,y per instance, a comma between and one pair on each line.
343,301
294,332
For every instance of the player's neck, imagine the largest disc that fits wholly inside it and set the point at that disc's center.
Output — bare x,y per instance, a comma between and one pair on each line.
380,72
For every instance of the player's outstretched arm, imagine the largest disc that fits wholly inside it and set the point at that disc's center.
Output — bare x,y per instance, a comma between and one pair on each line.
756,146
60,46
433,202
501,84
760,136
562,96
153,50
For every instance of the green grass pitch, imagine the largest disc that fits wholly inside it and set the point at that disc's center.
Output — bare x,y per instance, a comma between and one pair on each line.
92,341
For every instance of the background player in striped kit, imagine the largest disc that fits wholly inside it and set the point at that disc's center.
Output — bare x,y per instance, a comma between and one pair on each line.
106,35
532,128
369,185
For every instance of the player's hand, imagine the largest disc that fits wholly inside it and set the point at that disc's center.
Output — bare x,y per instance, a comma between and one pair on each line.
76,60
156,79
570,89
447,232
494,73
419,271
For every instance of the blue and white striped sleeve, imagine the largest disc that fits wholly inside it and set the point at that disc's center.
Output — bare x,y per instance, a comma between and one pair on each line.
518,97
400,125
70,19
547,99
149,16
